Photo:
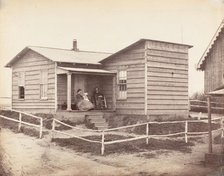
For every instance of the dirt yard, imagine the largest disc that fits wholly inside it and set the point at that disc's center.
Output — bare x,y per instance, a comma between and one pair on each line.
26,155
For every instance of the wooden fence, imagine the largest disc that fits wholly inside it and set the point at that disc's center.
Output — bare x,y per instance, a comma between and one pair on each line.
20,120
203,104
103,143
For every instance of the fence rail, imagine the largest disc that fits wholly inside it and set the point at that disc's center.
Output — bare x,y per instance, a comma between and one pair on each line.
204,104
199,101
20,120
146,136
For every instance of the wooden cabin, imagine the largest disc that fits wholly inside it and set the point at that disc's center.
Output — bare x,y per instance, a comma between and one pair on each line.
152,78
212,62
148,78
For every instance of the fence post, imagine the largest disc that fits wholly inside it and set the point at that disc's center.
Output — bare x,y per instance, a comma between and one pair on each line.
186,130
222,142
222,132
147,133
41,127
53,128
102,143
20,120
209,124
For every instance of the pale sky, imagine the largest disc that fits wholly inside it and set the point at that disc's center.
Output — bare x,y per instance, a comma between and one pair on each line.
111,25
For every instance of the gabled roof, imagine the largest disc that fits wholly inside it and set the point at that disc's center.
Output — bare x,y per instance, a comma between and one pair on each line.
139,42
208,49
64,55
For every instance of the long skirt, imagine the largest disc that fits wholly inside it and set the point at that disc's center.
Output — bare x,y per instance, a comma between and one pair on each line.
85,105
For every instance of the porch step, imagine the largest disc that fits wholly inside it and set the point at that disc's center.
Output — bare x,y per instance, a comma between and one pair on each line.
95,117
96,122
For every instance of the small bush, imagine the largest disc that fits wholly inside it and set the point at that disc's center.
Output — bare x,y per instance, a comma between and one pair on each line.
198,96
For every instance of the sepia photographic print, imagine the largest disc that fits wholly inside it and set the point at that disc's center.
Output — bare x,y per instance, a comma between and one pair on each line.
112,88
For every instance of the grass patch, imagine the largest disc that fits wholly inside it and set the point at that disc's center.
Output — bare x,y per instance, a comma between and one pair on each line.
218,139
63,127
13,126
126,147
160,129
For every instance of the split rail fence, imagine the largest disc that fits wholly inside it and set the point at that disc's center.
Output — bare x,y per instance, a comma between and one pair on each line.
186,134
203,104
20,120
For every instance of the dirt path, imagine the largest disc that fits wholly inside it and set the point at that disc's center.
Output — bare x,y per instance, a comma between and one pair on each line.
24,155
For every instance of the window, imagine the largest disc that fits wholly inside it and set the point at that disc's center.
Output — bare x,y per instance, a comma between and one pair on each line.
21,85
21,92
43,84
122,84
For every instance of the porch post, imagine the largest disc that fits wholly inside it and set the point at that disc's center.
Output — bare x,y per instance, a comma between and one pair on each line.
69,92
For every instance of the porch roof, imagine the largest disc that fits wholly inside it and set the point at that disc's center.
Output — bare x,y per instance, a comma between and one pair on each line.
84,70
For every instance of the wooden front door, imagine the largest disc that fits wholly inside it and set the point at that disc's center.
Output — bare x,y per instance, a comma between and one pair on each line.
79,83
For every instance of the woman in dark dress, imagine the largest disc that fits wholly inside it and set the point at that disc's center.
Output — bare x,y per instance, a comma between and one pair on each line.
98,99
82,101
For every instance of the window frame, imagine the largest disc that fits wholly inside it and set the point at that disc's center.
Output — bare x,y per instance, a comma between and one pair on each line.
122,84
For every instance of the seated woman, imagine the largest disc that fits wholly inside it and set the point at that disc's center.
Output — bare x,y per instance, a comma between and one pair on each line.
98,99
82,101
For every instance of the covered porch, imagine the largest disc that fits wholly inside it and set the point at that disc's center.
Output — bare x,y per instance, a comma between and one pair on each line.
69,80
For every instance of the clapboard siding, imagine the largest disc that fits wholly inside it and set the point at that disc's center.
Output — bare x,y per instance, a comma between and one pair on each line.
172,112
167,106
32,64
167,60
168,47
151,93
167,54
168,70
167,97
167,75
168,65
168,88
167,79
167,101
168,84
133,61
214,66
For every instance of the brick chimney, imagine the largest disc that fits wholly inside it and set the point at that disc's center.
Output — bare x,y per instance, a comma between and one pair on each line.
75,45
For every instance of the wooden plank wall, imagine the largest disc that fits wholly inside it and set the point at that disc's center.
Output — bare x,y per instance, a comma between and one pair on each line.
132,61
107,90
167,78
62,88
214,67
32,64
